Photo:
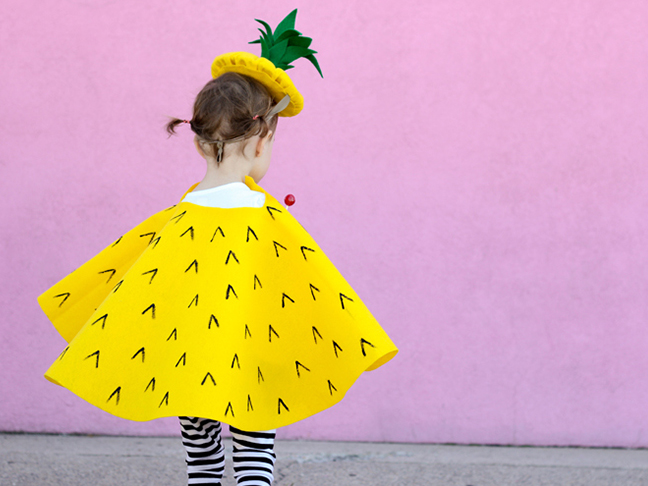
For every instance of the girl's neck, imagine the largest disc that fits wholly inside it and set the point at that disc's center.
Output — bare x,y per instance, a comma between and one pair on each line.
228,171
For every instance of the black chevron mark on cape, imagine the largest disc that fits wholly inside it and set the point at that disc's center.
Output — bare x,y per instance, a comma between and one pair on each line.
178,217
63,353
189,230
236,360
117,286
155,241
233,255
140,351
150,385
193,264
297,365
102,319
174,334
362,345
218,230
250,230
208,375
183,358
230,289
165,400
283,300
112,272
65,296
229,409
304,249
342,297
154,272
194,300
257,281
247,332
270,209
281,402
152,235
312,287
96,355
277,246
336,346
259,375
118,240
250,408
271,331
152,309
315,334
115,394
212,319
331,387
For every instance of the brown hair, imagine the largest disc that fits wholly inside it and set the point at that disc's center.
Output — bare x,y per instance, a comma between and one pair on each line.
230,106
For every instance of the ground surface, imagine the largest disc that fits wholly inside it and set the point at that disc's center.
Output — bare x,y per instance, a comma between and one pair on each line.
35,460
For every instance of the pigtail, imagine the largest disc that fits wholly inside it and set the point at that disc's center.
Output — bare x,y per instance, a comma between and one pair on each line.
258,125
266,122
173,123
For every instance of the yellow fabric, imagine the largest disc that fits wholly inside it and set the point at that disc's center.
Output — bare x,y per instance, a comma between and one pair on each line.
273,78
231,314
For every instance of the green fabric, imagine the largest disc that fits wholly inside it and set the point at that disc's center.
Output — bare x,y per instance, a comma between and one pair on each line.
286,44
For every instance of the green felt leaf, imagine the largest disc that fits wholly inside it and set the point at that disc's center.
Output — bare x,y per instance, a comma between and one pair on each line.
265,40
278,51
267,27
295,52
287,35
268,38
312,59
300,41
265,48
287,23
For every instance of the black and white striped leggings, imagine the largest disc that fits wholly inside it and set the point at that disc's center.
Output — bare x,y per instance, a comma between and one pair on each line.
253,453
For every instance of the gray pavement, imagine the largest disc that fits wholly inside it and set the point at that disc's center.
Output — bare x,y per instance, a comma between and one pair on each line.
57,460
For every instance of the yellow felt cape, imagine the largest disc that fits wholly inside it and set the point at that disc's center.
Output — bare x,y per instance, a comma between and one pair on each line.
231,314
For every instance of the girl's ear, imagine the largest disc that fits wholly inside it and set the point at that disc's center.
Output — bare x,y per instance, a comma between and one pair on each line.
199,147
261,144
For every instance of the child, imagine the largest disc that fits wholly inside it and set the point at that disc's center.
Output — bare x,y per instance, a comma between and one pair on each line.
222,308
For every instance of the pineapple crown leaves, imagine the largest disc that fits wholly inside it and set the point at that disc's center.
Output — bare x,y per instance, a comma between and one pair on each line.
286,44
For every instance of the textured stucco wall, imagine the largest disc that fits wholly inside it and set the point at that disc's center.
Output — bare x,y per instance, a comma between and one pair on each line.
477,170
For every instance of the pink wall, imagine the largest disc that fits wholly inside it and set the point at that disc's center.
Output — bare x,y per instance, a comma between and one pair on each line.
476,169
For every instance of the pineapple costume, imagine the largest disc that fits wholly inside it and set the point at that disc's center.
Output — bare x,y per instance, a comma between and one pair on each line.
230,314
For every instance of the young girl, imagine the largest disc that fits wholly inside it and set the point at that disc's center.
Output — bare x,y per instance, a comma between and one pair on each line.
222,308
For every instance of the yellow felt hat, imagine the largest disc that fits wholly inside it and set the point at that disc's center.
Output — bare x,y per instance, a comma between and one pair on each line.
273,78
278,50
